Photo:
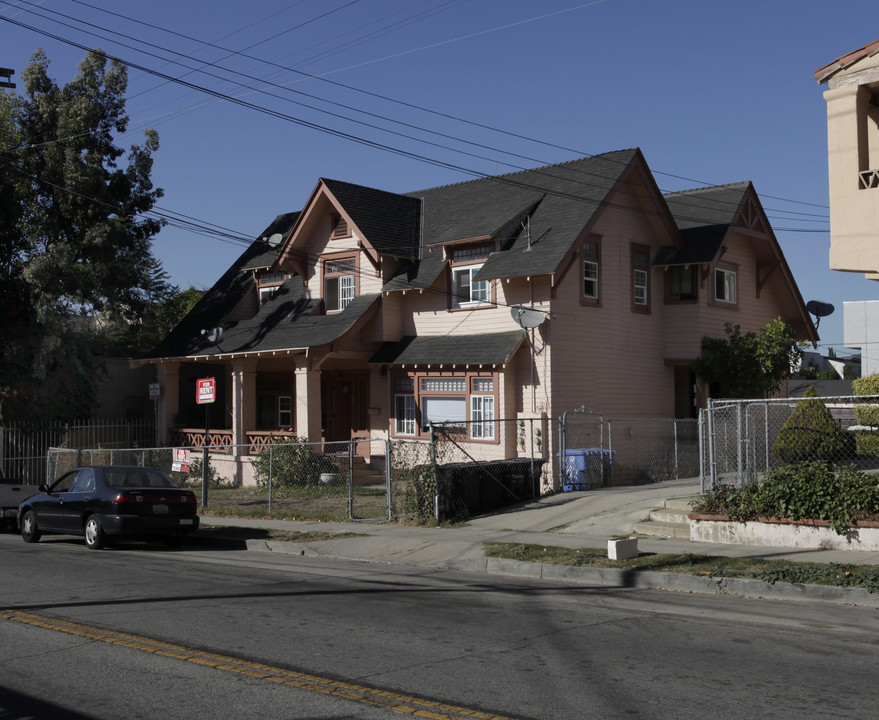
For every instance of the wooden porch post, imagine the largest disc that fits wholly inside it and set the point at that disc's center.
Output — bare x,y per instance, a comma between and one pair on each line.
307,400
243,403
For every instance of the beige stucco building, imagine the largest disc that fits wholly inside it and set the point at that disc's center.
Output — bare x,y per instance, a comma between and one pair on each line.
853,159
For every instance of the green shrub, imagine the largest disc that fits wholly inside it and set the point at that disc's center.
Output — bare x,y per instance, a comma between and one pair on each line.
867,414
289,465
813,491
810,433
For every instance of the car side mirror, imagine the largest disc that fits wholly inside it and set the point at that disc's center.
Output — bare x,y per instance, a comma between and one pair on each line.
42,487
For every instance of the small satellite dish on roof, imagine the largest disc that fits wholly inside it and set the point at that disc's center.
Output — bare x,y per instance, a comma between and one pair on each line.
275,240
527,317
213,335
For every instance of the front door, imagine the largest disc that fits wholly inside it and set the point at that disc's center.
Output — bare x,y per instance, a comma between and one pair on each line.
345,404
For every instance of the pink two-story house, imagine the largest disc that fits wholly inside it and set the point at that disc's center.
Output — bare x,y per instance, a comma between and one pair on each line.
371,314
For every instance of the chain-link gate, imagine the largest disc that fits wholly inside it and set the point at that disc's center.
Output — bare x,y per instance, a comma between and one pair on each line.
596,451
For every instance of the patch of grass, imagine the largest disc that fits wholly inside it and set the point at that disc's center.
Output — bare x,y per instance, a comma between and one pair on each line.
771,571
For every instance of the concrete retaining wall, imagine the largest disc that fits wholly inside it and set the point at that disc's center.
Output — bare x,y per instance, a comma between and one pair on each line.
782,534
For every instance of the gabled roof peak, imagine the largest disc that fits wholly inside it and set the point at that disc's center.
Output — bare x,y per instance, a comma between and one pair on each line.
744,184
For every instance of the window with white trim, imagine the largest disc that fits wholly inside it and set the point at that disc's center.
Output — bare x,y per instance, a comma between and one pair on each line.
590,271
482,409
340,282
725,286
404,407
467,402
640,261
466,290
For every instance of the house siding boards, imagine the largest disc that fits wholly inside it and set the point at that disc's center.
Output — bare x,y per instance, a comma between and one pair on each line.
616,355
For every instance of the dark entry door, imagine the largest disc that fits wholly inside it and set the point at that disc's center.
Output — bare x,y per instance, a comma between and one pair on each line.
346,399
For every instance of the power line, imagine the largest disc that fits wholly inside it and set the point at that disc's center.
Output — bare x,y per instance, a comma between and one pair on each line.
392,120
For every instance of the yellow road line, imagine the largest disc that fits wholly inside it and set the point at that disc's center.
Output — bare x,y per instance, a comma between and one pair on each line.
351,691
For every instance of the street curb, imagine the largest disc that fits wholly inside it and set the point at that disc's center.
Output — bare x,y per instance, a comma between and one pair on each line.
674,582
615,578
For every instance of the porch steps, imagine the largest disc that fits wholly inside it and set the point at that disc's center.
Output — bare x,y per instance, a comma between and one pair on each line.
669,521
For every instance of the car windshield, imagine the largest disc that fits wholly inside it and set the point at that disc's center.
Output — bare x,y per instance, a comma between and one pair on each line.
137,478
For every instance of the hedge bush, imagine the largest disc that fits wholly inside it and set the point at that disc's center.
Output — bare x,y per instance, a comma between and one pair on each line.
805,491
811,433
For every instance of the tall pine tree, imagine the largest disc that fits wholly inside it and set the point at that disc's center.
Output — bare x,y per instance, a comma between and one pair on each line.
74,236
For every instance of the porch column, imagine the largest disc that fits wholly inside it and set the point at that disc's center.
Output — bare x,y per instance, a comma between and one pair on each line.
243,402
169,400
307,400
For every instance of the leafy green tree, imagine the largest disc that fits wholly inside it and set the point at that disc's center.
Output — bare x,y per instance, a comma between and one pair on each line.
748,365
75,242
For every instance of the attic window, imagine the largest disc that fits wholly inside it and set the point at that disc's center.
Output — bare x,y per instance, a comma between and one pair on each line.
340,230
339,281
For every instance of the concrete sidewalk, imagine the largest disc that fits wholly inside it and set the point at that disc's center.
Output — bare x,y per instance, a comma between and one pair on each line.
579,520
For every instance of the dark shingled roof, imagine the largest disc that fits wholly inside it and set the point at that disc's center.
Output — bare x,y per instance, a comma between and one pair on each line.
563,198
703,217
264,254
390,222
483,349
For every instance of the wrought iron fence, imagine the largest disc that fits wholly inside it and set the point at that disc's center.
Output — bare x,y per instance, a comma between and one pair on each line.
24,446
742,439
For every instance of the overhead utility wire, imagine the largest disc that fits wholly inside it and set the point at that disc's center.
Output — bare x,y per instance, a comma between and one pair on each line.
354,138
345,118
305,75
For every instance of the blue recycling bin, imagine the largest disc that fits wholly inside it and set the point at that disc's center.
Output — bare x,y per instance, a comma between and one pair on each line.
586,468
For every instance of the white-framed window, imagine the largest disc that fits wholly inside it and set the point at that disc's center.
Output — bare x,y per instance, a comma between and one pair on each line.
265,293
640,287
466,291
466,402
285,411
466,261
404,407
725,286
640,263
340,283
482,409
591,272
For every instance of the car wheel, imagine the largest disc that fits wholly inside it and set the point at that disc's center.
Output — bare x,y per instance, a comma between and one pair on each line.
94,533
29,530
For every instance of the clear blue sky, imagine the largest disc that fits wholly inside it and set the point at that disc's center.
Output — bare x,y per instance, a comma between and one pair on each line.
712,92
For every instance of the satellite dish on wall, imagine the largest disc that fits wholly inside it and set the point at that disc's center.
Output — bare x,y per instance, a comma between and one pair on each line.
526,317
275,240
819,308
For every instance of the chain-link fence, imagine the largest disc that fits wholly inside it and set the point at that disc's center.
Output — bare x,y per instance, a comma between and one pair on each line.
314,481
742,439
595,451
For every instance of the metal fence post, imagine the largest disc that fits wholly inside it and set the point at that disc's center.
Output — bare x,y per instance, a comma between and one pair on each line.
351,479
739,443
436,512
271,474
712,450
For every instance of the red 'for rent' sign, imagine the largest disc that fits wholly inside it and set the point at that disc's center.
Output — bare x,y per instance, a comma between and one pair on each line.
205,390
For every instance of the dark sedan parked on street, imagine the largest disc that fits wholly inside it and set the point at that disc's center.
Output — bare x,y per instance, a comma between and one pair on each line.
105,502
